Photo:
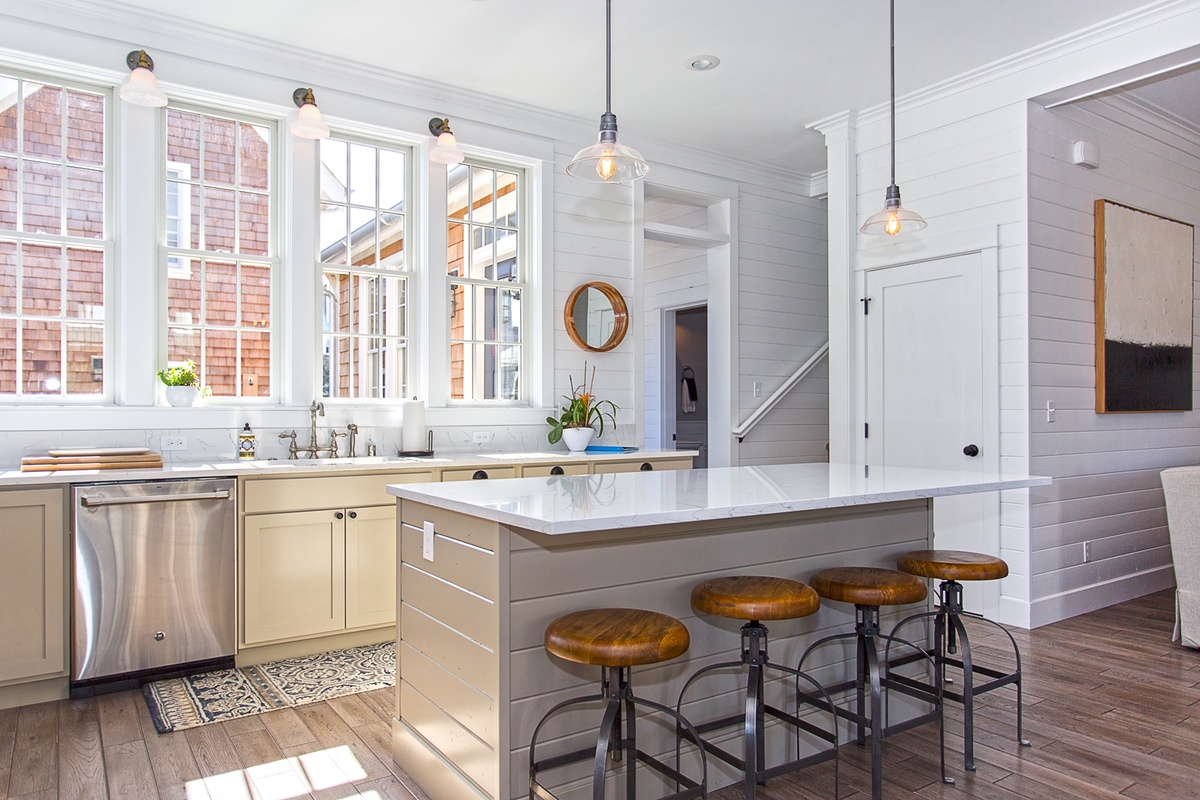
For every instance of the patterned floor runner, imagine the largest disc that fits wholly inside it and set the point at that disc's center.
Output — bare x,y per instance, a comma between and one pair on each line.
181,703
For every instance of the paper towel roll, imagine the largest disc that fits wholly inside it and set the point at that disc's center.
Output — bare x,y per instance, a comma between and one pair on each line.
412,425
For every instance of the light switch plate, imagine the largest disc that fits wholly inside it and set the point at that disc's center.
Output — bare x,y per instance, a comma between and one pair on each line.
427,541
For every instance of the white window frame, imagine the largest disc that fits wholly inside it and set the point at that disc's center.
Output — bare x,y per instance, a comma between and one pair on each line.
107,244
272,259
411,275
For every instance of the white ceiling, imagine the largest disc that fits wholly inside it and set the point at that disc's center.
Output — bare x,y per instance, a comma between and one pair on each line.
784,63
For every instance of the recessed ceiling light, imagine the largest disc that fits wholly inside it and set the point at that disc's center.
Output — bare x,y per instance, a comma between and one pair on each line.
703,63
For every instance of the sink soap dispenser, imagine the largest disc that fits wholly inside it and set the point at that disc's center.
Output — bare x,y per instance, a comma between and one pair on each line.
246,442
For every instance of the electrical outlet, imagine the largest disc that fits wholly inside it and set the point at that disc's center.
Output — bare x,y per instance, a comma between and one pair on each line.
1087,552
757,387
1049,411
481,437
174,443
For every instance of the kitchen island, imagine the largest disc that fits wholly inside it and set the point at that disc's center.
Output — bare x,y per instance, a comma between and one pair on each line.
484,567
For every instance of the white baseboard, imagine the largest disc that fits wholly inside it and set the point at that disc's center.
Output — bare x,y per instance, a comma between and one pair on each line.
1065,605
1013,611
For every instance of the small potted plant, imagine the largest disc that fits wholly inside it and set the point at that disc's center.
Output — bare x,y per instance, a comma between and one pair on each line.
576,425
182,382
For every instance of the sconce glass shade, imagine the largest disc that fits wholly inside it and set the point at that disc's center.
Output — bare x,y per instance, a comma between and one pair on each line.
308,123
894,217
142,87
446,151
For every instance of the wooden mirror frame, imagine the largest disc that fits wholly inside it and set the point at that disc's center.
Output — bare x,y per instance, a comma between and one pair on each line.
620,316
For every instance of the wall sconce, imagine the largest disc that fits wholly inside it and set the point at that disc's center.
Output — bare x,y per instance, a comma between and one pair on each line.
142,87
446,151
308,123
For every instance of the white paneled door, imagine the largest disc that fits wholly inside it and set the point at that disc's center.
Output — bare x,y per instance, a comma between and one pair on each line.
924,391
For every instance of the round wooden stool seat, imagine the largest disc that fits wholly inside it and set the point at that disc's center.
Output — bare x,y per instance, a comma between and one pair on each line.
616,637
952,565
751,597
869,586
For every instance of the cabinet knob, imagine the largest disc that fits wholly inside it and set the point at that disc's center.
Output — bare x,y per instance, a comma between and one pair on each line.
557,471
646,467
971,450
339,515
353,515
480,475
159,636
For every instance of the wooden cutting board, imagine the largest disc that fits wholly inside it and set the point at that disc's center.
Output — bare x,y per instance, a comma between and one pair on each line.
65,467
68,452
145,460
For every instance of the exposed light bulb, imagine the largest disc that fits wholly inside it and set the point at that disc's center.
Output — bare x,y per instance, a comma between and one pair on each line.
892,226
606,167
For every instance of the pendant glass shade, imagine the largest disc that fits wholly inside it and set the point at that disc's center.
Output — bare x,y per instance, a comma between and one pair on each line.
308,123
608,162
142,87
894,217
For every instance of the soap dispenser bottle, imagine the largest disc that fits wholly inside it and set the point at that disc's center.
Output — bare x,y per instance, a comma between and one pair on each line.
246,442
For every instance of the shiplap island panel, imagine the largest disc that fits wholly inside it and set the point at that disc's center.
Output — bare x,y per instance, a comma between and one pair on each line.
485,566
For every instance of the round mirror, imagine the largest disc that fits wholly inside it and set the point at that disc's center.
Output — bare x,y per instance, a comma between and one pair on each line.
596,317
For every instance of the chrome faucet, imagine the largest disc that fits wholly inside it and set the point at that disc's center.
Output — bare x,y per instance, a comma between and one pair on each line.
353,435
314,449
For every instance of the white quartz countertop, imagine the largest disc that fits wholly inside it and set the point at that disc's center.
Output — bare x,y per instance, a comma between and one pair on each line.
579,503
13,477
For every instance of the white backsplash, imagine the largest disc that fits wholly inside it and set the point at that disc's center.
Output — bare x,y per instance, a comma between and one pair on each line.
220,444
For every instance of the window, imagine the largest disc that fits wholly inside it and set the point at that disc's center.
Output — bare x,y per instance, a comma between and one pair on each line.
488,276
53,253
365,270
218,249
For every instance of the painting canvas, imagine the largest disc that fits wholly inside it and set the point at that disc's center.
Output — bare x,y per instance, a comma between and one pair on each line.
1144,266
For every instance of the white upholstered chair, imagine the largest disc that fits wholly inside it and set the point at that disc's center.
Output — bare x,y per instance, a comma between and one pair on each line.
1181,488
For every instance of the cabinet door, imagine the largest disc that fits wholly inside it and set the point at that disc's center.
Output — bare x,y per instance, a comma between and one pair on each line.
478,473
371,566
543,470
293,575
32,596
636,466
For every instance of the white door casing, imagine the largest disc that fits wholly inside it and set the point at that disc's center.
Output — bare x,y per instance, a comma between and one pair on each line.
930,389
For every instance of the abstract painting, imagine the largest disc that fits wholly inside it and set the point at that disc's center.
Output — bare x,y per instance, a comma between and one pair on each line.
1144,266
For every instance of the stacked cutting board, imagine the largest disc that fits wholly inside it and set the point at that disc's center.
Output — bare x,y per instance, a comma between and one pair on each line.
80,458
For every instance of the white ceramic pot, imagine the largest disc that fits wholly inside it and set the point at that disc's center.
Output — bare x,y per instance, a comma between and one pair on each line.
577,439
182,395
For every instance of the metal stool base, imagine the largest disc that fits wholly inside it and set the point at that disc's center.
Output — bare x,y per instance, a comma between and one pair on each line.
950,636
872,676
620,711
753,760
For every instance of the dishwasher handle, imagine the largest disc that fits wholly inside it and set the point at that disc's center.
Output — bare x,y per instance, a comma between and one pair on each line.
96,502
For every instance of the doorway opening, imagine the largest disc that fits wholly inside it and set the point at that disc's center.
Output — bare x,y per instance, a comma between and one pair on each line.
690,332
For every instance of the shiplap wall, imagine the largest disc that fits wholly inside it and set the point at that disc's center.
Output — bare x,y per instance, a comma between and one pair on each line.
783,283
1106,490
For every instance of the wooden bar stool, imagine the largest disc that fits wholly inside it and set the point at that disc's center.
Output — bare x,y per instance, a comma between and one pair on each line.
754,599
616,639
868,588
950,636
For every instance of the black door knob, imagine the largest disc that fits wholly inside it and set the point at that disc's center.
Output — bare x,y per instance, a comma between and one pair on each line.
480,475
353,515
971,450
338,515
557,471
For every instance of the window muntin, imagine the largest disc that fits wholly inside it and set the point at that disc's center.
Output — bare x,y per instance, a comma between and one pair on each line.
488,278
54,257
218,246
365,270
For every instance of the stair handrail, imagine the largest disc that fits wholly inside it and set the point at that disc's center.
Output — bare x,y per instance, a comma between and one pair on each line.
756,416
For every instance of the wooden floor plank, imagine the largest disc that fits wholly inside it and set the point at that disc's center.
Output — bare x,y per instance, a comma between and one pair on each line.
175,771
37,725
81,772
332,733
287,728
34,769
118,718
127,766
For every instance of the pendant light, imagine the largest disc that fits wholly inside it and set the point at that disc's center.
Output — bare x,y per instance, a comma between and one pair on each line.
894,217
608,161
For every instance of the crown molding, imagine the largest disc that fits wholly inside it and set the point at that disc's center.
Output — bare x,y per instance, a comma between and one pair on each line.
160,32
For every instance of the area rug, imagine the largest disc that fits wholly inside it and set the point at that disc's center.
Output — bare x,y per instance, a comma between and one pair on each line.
177,704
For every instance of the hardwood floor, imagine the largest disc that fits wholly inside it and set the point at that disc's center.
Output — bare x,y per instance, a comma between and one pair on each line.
1111,704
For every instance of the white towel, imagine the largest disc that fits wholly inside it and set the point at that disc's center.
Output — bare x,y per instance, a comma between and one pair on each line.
687,395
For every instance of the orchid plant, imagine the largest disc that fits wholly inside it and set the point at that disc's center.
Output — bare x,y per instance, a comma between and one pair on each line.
582,409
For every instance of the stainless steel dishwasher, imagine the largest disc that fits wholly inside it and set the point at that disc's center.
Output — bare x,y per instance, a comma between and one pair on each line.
154,576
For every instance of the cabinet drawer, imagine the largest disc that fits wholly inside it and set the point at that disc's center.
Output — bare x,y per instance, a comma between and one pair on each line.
543,470
469,474
291,493
636,466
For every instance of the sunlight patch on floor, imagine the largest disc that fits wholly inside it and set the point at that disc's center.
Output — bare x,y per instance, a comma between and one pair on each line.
286,778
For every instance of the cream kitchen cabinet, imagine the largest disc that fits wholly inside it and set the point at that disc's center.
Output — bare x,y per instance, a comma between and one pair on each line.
643,465
33,569
328,570
543,470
